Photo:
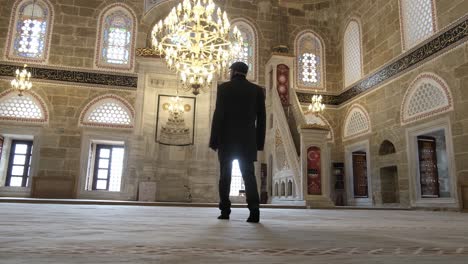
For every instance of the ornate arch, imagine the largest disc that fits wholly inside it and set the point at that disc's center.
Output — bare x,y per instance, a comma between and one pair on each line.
309,49
115,13
108,111
319,119
43,12
29,108
357,122
427,96
352,52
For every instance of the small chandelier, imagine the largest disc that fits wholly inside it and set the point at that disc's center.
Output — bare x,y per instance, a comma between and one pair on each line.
21,81
316,106
176,106
195,40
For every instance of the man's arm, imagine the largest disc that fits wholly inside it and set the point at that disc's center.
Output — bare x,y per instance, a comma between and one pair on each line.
261,119
217,121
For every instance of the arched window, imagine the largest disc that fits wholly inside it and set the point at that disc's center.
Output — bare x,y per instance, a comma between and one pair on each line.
290,188
417,21
30,30
310,61
276,189
283,189
427,96
248,52
108,111
116,38
27,108
352,53
357,122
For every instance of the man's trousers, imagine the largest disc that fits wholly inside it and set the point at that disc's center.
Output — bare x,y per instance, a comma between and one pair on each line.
248,174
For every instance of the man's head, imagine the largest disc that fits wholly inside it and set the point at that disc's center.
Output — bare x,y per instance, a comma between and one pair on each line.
239,68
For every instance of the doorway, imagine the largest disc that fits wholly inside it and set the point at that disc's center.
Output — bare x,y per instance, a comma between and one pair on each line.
360,183
434,180
389,185
358,177
428,172
432,165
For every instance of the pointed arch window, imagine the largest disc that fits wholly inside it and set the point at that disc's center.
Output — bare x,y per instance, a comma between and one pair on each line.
31,26
352,53
116,38
417,21
310,61
248,52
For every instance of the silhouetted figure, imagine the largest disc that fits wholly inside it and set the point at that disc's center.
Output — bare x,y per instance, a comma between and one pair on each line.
238,132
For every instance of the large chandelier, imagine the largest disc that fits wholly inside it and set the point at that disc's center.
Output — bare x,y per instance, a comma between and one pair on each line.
197,42
21,83
316,106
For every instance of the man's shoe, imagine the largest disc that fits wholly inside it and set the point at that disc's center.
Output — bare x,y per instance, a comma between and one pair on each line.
223,217
254,217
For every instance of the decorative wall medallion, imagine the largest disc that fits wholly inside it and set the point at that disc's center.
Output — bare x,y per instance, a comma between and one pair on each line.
282,76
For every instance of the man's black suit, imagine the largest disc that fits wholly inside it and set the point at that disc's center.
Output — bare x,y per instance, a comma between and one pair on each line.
238,132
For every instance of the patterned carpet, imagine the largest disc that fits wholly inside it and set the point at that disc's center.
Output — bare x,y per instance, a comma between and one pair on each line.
44,233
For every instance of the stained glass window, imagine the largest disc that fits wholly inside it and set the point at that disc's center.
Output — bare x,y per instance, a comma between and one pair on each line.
417,21
31,27
352,53
309,52
117,38
246,52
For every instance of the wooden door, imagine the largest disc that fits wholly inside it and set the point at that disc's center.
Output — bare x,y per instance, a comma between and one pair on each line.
361,189
428,172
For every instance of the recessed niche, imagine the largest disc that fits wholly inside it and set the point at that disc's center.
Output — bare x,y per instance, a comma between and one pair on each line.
389,184
386,148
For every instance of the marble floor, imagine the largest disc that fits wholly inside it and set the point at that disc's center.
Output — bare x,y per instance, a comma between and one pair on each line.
61,233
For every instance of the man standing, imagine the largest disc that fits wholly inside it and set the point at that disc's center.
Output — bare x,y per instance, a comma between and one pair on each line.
238,132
